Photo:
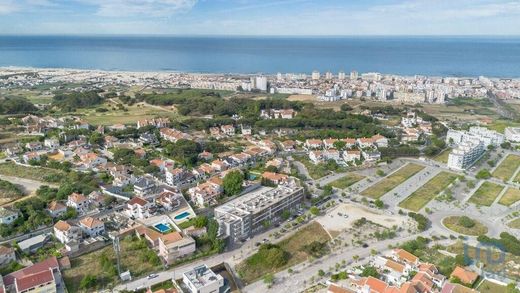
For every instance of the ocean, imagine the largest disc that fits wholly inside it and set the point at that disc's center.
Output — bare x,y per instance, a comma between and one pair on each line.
434,56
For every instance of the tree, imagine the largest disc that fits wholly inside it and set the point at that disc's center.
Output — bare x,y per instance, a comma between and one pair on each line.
380,173
346,107
379,203
370,271
483,174
327,190
269,279
314,211
233,183
339,144
466,222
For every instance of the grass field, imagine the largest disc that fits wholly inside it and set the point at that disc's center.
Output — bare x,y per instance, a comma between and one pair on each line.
453,224
134,257
490,287
511,196
486,194
33,173
515,224
422,196
507,168
392,181
443,157
347,180
293,245
135,112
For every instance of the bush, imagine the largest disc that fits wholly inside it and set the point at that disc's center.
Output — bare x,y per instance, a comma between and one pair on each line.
466,222
422,222
483,174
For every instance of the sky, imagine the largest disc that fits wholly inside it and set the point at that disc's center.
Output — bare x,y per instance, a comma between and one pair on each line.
260,17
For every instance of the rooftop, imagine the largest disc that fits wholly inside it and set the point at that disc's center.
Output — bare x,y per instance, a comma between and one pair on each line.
201,276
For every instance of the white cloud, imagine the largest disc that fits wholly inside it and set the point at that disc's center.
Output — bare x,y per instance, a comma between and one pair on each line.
8,6
121,8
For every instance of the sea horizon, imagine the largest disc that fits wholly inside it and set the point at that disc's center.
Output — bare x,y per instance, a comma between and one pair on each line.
447,56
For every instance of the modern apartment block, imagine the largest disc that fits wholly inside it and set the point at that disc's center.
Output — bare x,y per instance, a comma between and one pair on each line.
242,217
488,137
512,134
202,279
466,154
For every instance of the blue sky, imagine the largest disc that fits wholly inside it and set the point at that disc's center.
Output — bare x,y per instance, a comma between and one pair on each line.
261,17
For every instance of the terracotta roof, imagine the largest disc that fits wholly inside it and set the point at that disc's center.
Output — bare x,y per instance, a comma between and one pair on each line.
337,289
395,266
274,176
376,285
406,256
5,250
171,237
51,262
77,197
34,280
56,205
149,233
138,200
91,222
466,276
62,226
424,279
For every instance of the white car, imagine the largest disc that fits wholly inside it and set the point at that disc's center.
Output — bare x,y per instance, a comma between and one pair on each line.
152,276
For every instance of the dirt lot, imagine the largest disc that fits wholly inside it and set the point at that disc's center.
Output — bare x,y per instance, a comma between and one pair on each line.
333,222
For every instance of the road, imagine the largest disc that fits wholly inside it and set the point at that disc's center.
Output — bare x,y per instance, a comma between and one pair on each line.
301,273
28,184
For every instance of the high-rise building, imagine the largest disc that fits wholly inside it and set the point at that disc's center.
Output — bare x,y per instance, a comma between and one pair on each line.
466,154
329,75
353,75
341,75
315,75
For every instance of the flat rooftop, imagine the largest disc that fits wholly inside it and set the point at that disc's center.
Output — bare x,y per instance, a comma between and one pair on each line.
201,276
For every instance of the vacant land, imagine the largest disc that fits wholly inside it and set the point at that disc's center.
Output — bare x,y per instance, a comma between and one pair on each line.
473,228
511,196
443,157
124,115
422,196
515,224
346,181
486,194
507,168
392,181
33,173
490,287
252,268
135,256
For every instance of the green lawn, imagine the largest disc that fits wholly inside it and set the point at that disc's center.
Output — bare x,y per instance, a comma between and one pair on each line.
515,224
132,115
486,194
422,196
346,181
490,287
453,224
392,181
511,196
443,157
507,168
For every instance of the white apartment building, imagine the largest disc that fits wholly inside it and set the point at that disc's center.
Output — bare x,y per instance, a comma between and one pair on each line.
486,136
202,279
512,134
66,233
466,154
92,226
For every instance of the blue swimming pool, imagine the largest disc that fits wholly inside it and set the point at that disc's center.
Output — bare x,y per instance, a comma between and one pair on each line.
163,228
182,215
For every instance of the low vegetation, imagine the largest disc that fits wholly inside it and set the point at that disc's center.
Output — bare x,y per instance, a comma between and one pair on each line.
465,225
507,168
486,194
392,181
422,196
346,181
310,241
511,196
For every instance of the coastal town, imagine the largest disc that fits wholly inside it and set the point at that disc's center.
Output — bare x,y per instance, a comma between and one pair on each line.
180,182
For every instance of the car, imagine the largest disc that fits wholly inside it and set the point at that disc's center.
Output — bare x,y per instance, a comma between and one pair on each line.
152,276
345,216
364,245
257,244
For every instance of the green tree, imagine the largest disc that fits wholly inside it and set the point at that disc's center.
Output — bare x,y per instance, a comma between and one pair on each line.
379,203
233,183
315,210
483,174
370,271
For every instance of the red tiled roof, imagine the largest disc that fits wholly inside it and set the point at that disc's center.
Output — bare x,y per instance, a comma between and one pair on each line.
34,280
137,200
51,263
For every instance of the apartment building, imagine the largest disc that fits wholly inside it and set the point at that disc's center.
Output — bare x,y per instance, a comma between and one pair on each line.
202,279
466,154
175,245
242,217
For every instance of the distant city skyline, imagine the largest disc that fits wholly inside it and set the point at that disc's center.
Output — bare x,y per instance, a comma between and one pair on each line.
268,17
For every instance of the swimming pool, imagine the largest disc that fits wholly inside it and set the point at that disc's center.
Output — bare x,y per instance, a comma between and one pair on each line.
182,215
163,228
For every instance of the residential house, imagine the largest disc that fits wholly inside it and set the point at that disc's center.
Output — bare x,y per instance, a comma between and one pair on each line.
92,160
351,155
288,145
206,156
174,246
92,226
202,279
329,142
30,156
51,143
42,277
34,146
313,144
138,208
78,202
371,155
143,186
56,209
175,176
464,275
207,193
7,215
170,200
228,129
66,232
7,255
275,178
